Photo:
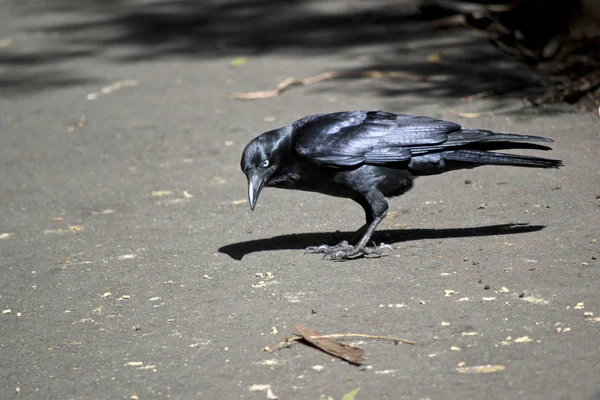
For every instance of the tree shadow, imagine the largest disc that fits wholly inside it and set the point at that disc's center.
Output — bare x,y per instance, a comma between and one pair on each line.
389,35
301,241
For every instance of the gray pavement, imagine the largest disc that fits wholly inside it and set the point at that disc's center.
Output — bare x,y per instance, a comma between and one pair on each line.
131,265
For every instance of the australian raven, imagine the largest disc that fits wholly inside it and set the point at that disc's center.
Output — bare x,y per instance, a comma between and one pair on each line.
367,156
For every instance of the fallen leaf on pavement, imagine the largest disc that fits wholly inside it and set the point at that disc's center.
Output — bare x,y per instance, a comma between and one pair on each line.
351,395
286,83
349,353
346,352
239,61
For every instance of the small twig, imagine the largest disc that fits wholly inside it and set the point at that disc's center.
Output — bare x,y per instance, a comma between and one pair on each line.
497,91
472,114
505,110
287,342
286,83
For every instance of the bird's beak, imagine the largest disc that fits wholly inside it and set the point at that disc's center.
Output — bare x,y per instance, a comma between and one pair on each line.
256,181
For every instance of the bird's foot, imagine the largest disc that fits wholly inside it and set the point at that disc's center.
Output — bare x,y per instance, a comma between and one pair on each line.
345,251
326,249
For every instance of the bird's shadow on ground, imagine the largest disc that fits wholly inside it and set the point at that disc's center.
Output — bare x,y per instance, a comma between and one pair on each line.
301,241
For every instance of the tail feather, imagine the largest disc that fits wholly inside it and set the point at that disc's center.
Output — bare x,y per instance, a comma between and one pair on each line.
482,135
492,158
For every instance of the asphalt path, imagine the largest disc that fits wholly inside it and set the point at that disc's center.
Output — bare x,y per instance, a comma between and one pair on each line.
132,267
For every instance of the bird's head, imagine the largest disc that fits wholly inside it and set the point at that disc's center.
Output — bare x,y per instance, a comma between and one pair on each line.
262,158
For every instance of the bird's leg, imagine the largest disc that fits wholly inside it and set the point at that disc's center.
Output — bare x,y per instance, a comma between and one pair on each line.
375,207
349,243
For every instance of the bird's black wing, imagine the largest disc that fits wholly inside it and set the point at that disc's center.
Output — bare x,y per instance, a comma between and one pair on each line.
352,138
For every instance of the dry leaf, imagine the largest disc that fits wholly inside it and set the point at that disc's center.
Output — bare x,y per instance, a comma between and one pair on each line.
353,355
434,58
286,83
239,61
351,395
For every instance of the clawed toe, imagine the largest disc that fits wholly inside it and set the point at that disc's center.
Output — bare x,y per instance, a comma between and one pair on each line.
326,249
379,251
345,251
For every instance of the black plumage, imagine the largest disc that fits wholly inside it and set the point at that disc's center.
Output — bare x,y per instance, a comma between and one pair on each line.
368,156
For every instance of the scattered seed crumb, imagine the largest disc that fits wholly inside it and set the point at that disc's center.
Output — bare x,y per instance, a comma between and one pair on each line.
421,302
534,300
449,292
480,369
463,299
318,367
579,306
126,297
523,339
475,262
134,364
270,362
259,275
274,331
567,329
397,305
470,333
261,284
187,194
170,320
228,143
134,397
161,193
462,364
6,312
432,355
488,298
455,348
264,388
137,328
207,277
6,235
385,372
503,290
127,256
444,323
155,299
588,314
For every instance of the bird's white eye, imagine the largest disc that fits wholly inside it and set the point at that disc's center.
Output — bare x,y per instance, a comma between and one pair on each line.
265,164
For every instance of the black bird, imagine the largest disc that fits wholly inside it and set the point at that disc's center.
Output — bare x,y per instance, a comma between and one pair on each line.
367,156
